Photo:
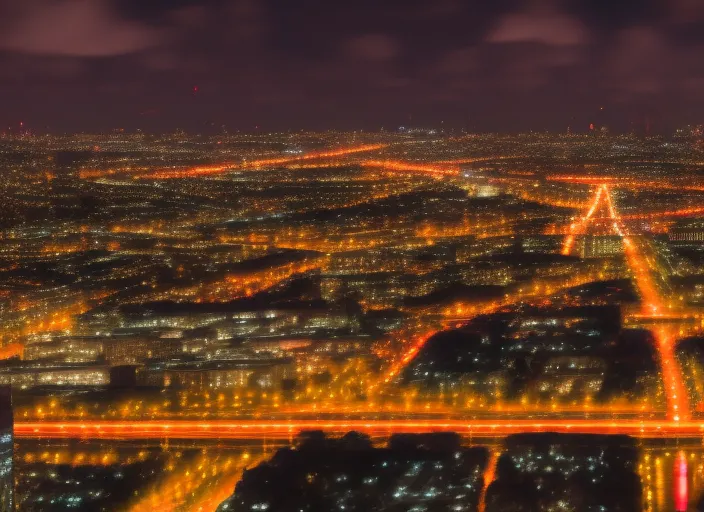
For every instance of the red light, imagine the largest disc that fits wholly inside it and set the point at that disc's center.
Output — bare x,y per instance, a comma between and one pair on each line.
681,491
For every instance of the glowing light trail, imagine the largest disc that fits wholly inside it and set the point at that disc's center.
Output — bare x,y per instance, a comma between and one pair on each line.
256,429
684,212
489,475
197,486
315,155
653,304
207,170
486,159
578,227
397,165
632,184
681,484
678,407
409,355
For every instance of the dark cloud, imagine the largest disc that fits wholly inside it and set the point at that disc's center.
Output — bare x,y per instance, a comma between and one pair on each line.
540,23
639,52
85,28
488,65
687,11
156,11
607,15
375,47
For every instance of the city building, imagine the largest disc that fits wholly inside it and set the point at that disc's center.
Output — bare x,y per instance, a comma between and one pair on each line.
30,375
7,449
600,246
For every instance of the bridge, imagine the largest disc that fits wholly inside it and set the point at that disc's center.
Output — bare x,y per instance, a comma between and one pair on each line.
281,429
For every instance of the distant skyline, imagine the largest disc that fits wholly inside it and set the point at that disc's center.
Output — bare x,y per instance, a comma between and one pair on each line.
501,66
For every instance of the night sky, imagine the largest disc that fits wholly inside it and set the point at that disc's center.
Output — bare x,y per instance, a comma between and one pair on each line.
481,65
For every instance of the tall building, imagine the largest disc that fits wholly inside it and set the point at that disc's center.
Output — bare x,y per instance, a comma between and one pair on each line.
6,451
599,246
687,232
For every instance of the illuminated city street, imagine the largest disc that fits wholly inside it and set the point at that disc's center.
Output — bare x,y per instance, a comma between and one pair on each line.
401,288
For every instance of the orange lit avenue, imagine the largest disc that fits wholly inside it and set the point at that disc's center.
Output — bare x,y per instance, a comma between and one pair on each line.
254,288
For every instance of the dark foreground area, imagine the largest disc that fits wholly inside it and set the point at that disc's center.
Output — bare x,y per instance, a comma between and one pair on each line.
436,472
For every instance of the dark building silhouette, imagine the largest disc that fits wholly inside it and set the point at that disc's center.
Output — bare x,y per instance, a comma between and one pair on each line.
414,472
541,472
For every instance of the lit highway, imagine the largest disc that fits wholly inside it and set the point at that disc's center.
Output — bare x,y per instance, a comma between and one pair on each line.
675,390
197,485
489,476
254,429
207,170
399,166
653,304
578,227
